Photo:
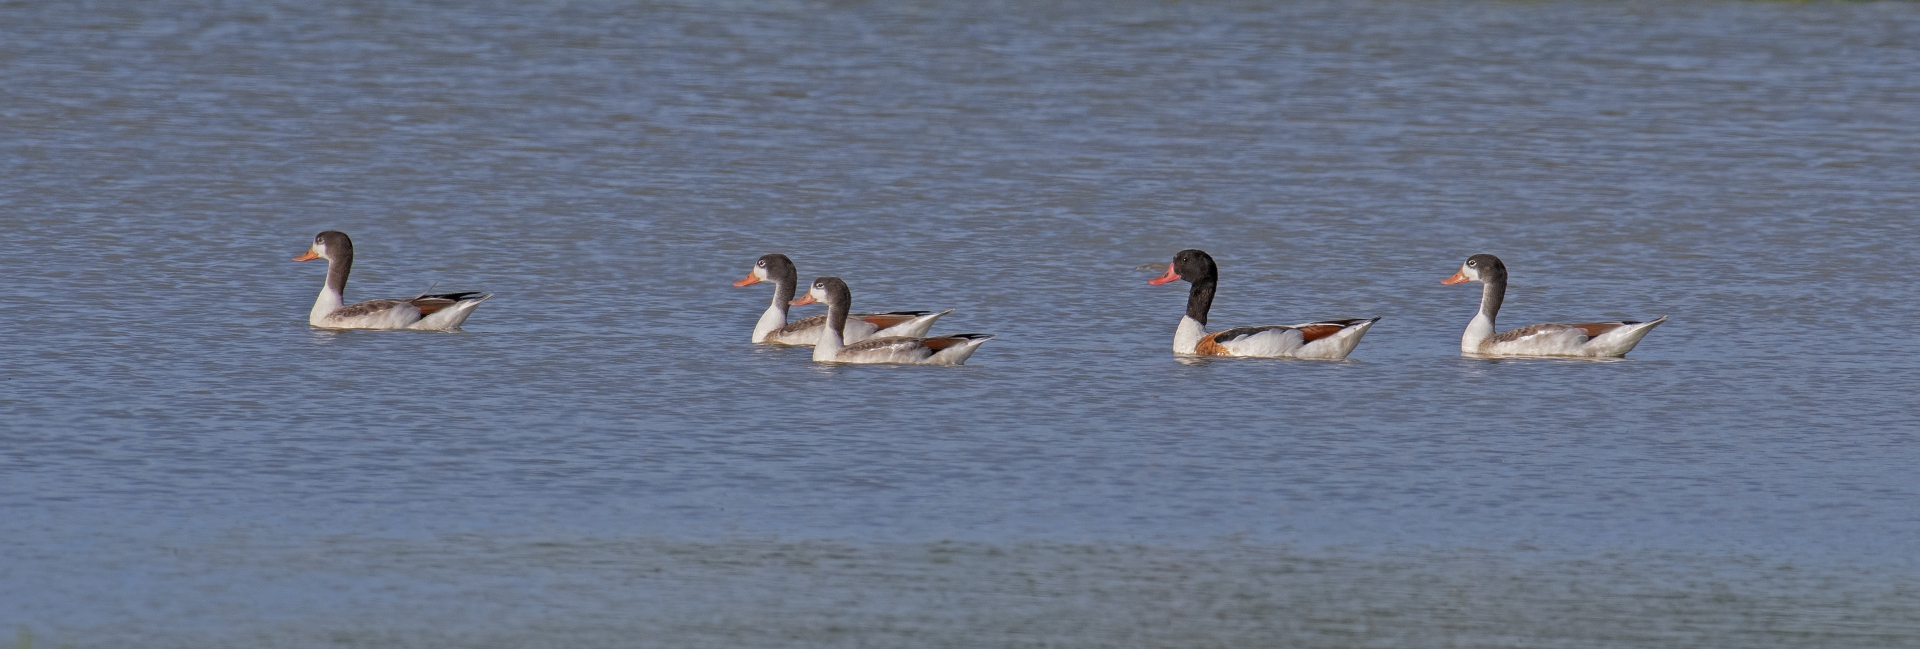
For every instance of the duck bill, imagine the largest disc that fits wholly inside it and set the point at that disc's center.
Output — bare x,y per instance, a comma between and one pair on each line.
311,255
803,301
1170,276
1459,277
749,281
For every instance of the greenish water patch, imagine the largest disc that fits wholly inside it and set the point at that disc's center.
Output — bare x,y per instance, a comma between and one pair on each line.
482,591
24,640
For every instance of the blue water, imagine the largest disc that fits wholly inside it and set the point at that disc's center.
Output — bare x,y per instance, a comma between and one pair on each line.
602,459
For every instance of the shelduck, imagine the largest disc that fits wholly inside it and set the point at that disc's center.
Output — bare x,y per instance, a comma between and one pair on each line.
437,312
1593,339
1325,339
773,326
832,348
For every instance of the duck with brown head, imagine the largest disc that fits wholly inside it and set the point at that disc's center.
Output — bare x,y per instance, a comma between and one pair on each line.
1592,339
437,312
939,350
773,327
1323,339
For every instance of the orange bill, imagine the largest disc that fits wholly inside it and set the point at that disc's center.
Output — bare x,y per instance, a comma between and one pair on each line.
309,256
1170,276
804,300
1458,277
749,281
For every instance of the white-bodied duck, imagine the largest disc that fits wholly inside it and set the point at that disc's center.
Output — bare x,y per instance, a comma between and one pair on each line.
1326,339
832,348
1592,339
774,328
437,312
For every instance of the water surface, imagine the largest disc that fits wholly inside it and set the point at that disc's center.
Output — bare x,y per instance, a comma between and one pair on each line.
601,459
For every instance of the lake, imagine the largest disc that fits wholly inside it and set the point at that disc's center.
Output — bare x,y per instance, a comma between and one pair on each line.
602,459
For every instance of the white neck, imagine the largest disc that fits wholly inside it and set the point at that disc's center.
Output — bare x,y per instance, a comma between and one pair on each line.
328,302
1478,331
1187,337
774,318
828,349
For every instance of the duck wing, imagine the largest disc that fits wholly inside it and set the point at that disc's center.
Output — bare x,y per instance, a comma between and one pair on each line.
431,304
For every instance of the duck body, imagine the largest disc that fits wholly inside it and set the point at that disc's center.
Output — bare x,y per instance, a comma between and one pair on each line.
1323,340
434,312
1320,340
426,312
942,350
833,348
773,327
1589,339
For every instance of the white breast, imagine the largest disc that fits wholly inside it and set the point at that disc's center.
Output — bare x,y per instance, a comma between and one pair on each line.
769,321
1188,336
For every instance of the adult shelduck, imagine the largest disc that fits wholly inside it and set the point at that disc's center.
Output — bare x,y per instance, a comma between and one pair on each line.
439,312
832,348
1326,339
774,328
1595,339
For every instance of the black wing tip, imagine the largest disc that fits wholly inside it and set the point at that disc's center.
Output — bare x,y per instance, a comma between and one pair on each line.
1348,322
456,296
972,336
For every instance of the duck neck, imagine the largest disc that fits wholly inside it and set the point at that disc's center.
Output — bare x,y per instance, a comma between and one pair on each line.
776,315
834,338
1193,326
1493,290
783,290
1200,299
333,293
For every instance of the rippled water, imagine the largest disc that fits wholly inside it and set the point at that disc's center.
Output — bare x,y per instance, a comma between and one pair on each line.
602,460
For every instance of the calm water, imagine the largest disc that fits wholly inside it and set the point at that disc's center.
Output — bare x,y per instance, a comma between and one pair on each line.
602,460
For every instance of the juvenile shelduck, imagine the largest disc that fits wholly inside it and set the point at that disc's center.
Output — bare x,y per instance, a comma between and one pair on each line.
774,328
438,312
832,348
1593,339
1326,339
